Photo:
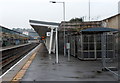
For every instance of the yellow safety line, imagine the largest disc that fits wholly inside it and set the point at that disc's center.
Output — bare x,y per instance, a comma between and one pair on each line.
21,73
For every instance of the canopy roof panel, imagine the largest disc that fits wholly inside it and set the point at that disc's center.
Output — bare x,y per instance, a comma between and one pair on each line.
41,27
43,23
98,30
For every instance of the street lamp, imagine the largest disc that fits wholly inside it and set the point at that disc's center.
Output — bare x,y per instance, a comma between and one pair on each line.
89,10
63,23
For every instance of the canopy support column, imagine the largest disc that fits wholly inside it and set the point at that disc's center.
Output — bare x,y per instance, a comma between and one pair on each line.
51,38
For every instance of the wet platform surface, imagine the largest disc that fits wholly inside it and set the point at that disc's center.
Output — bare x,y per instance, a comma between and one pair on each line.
44,68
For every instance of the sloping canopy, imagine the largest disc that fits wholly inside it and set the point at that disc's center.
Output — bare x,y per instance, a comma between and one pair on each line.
98,30
44,23
41,27
41,30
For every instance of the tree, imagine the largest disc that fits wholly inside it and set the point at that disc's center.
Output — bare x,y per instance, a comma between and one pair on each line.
76,20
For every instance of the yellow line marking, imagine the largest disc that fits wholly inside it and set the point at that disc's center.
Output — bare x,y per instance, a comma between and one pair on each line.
21,73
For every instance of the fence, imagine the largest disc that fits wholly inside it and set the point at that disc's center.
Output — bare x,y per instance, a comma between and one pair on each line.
110,56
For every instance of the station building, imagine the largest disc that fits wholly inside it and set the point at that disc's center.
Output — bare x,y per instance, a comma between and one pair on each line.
112,22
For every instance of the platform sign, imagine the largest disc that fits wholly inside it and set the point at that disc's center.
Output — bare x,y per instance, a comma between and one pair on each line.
48,33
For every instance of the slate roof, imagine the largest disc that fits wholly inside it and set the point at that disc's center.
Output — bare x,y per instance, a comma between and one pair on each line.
99,30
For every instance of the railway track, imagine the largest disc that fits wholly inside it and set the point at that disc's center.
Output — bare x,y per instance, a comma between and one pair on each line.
11,56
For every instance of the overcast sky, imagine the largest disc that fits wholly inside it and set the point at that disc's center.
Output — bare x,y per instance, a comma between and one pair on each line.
16,13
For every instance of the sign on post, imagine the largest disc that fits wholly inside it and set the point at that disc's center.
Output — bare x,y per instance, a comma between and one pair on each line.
68,48
48,33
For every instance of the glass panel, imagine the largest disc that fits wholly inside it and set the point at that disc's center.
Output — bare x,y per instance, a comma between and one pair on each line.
85,46
109,54
109,46
98,38
91,46
99,54
85,54
109,38
91,55
91,38
79,55
85,38
98,47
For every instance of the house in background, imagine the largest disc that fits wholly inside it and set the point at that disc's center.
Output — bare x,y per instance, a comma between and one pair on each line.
112,22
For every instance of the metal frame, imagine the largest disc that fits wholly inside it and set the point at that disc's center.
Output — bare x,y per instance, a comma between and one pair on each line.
82,50
104,55
57,61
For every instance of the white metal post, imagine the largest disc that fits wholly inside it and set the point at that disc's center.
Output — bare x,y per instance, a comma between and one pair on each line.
56,46
68,54
54,37
51,37
63,23
64,28
89,10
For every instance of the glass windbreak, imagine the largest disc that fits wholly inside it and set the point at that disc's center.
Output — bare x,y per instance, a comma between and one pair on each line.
85,38
98,46
109,45
98,38
79,46
92,45
88,46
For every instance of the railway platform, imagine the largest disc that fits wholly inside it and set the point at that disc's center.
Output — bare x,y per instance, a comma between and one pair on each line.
13,58
42,67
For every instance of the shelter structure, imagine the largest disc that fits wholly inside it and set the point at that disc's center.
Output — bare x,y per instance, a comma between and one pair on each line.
88,43
96,42
47,30
100,43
